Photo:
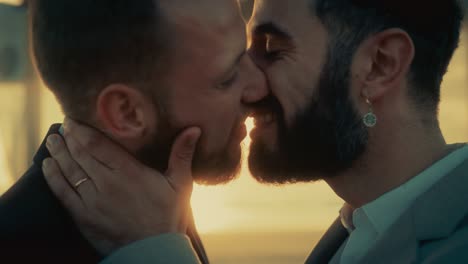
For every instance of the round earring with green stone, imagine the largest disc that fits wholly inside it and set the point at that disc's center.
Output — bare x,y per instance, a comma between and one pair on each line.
369,119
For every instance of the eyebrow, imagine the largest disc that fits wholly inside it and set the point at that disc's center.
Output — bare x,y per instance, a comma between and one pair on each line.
271,28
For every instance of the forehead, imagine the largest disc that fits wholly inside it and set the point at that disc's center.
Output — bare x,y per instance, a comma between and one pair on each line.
291,16
205,24
207,35
212,15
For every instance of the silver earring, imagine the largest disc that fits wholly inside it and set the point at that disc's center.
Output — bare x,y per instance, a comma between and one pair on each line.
370,119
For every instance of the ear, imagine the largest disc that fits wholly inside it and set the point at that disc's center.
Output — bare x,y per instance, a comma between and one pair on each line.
383,62
125,113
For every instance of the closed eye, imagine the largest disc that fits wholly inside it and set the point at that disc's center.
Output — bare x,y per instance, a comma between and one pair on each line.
270,43
273,55
229,82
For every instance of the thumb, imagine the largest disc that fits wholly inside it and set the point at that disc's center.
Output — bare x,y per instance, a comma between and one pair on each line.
179,172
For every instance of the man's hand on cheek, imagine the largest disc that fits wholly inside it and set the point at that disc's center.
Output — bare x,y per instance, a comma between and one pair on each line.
113,198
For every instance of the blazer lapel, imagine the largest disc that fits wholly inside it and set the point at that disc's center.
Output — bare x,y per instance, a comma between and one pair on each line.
439,211
329,244
398,245
336,259
434,215
196,240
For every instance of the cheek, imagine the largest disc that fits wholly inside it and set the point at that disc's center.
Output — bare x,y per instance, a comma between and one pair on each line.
292,86
215,119
294,83
218,129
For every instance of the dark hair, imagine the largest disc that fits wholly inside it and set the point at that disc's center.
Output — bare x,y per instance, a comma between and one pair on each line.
433,25
81,46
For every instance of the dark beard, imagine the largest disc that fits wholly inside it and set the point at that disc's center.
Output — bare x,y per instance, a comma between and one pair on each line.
212,169
216,169
156,153
323,141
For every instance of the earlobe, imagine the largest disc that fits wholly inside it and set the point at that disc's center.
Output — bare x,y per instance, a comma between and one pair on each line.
121,113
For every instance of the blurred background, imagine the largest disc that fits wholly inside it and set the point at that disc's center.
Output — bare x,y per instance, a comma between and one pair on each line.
243,222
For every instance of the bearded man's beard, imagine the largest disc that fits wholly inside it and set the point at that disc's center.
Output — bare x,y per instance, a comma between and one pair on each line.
323,141
217,168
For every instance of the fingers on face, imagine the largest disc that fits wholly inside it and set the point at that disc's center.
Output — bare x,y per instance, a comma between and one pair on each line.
100,157
61,187
98,145
69,168
90,167
179,173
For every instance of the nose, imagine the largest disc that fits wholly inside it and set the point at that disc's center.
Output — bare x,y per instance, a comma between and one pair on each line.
256,88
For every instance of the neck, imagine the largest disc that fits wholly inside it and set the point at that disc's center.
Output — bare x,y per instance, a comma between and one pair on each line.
393,157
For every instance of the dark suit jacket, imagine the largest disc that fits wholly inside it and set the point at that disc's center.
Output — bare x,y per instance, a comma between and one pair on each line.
35,228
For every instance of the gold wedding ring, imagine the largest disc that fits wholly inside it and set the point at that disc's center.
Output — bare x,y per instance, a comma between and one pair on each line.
78,183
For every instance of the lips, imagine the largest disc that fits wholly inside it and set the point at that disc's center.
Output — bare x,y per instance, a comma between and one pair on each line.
266,112
265,124
264,119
